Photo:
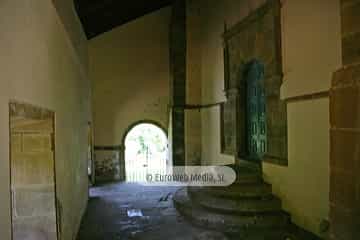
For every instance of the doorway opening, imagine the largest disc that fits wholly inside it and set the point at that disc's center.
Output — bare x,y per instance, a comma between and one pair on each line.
146,151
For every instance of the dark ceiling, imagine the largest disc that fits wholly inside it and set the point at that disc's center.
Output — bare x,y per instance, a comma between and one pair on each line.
99,16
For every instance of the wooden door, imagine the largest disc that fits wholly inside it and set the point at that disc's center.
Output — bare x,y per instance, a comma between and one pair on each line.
256,111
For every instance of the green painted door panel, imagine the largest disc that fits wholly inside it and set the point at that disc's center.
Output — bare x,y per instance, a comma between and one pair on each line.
255,111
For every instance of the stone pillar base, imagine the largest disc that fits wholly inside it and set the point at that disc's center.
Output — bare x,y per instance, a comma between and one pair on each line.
345,154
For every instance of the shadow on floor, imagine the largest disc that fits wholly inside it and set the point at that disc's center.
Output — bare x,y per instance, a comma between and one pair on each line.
127,211
107,215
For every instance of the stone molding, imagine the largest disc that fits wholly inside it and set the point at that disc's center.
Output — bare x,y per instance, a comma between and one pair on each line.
109,148
258,37
344,154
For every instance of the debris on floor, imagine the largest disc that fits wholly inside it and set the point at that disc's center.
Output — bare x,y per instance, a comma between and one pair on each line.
134,213
165,198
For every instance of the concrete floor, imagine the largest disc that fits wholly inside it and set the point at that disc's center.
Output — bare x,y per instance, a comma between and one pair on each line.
107,215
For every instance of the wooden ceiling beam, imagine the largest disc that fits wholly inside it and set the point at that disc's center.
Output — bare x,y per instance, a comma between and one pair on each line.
100,16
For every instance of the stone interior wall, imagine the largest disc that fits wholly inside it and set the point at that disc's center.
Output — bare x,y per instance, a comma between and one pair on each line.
350,24
32,174
345,155
178,80
170,140
228,124
73,27
257,38
345,131
193,86
40,66
129,69
309,59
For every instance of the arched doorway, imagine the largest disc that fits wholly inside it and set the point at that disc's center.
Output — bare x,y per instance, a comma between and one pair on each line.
146,151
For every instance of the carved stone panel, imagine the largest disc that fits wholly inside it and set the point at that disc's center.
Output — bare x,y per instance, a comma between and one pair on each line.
256,38
228,118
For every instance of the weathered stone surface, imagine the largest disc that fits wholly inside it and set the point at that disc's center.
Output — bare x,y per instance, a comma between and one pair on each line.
33,168
37,142
30,112
256,37
29,125
34,201
277,147
345,224
344,189
16,142
241,208
245,176
32,173
245,209
209,235
30,234
39,227
226,222
239,205
345,155
238,190
178,80
346,3
351,49
350,18
107,165
193,136
228,126
161,221
347,76
341,114
344,149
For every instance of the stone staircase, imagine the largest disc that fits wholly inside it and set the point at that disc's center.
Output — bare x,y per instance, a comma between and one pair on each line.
247,209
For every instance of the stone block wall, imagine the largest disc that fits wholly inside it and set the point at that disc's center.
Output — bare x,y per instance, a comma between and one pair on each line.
345,154
258,37
345,131
350,30
178,80
193,84
32,173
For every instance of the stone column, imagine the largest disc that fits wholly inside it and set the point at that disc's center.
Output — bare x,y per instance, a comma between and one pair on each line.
345,131
178,80
193,84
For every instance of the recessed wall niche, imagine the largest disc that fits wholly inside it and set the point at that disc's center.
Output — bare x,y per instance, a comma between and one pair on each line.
33,195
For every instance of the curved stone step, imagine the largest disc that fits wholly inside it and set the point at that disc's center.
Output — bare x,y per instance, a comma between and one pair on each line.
288,233
228,222
237,190
246,175
242,205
